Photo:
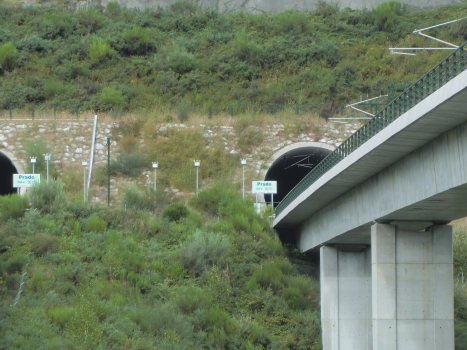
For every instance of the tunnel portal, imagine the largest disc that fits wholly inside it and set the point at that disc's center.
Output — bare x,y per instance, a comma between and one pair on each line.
7,169
291,167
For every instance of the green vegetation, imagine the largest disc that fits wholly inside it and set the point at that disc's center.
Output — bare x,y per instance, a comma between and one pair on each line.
189,59
104,278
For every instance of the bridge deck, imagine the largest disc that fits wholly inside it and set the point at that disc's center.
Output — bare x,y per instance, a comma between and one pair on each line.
445,109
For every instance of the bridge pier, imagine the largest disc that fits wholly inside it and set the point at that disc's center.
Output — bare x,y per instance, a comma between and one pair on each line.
396,295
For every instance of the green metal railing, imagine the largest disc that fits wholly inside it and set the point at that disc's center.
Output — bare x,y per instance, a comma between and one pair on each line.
438,76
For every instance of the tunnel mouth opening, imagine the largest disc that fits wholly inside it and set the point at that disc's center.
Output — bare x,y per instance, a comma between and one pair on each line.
7,169
291,167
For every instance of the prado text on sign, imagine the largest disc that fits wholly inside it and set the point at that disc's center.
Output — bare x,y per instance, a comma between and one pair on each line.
25,180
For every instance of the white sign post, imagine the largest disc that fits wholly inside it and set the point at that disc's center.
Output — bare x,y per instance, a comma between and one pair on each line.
265,187
25,180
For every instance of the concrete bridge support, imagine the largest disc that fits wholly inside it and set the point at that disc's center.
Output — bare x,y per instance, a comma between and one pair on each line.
404,301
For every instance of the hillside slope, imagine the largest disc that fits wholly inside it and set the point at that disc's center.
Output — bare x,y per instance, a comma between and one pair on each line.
114,58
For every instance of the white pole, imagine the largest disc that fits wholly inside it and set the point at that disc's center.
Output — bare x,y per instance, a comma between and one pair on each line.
33,168
197,164
91,159
155,180
243,181
84,185
47,170
196,180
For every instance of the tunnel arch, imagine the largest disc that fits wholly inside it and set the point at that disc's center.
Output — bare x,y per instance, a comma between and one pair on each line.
9,165
289,165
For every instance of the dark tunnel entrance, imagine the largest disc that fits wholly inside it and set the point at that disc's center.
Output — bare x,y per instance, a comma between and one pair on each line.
291,167
7,169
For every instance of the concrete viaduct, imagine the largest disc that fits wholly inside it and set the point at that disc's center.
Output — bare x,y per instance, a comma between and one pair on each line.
377,209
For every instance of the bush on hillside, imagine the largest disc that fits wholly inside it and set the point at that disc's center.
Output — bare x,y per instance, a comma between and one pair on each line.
12,206
43,243
175,58
96,224
128,163
208,200
387,15
138,41
112,99
175,212
134,198
203,250
99,51
247,49
7,56
48,197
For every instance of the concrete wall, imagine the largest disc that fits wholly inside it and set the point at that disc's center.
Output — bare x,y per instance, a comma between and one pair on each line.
259,6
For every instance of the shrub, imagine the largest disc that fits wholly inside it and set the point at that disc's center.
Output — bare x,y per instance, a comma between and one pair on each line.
134,198
57,23
176,58
175,212
43,243
191,298
326,9
7,56
273,275
37,148
130,164
183,7
12,207
246,49
96,224
99,51
60,316
208,200
48,197
112,99
138,41
217,318
294,298
90,19
183,111
460,249
15,264
386,15
53,88
201,251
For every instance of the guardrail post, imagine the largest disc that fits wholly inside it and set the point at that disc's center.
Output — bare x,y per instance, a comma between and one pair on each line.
11,111
210,112
32,112
462,59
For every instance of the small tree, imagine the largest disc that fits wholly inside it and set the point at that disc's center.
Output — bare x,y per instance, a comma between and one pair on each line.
99,51
7,56
386,15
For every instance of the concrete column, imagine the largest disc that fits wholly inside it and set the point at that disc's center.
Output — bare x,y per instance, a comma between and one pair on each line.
412,288
346,298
